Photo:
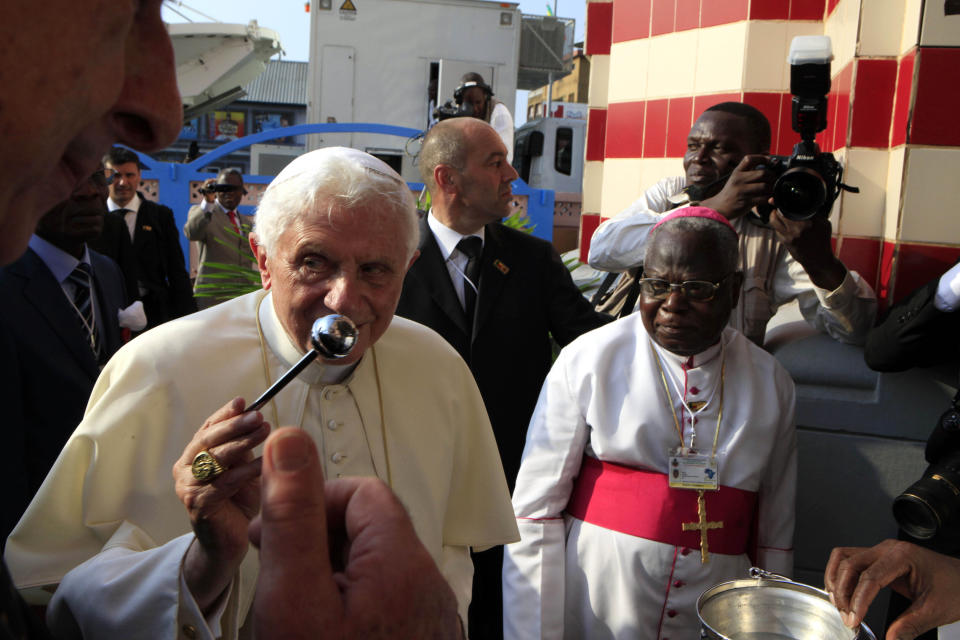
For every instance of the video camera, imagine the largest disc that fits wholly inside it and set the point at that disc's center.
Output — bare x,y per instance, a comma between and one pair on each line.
929,509
457,108
451,110
220,188
808,180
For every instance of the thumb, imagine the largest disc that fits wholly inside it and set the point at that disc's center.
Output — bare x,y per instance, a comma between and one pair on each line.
913,622
295,578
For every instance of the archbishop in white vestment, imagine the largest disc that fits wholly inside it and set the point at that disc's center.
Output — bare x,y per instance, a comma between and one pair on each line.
603,400
609,548
409,413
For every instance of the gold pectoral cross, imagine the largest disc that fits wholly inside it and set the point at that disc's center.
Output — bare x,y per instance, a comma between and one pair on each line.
703,526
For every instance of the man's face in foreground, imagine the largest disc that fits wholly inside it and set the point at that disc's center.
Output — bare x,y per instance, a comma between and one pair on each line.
106,76
677,323
352,263
484,183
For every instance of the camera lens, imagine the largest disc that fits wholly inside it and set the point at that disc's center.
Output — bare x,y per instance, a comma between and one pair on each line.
916,516
930,507
799,193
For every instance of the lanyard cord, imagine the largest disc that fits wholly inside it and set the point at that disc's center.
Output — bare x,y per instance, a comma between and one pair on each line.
675,382
666,388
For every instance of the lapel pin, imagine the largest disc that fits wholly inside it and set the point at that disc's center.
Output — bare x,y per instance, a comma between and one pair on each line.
502,268
147,227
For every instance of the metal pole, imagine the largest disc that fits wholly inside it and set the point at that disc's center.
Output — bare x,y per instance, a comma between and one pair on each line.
549,95
550,77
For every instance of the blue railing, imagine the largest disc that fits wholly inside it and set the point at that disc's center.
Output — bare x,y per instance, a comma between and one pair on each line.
173,188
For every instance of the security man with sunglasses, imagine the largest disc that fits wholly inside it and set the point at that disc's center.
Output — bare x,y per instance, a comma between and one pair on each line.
660,460
222,232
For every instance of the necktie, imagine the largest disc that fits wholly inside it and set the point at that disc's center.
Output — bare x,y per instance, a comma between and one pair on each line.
80,278
233,220
129,218
470,246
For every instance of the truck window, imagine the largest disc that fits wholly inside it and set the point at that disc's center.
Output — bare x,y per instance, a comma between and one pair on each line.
563,155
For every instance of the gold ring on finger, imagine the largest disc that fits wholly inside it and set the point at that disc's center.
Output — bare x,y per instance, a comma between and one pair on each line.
206,467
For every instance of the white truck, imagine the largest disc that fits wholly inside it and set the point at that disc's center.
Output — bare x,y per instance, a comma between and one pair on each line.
548,153
374,60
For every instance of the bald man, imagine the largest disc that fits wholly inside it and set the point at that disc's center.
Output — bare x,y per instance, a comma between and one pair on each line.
496,294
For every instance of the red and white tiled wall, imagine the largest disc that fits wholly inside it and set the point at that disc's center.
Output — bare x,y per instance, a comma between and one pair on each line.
894,112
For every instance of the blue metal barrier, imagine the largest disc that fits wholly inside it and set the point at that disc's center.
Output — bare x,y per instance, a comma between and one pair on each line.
173,188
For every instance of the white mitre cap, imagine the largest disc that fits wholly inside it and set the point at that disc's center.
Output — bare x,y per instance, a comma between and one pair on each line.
308,162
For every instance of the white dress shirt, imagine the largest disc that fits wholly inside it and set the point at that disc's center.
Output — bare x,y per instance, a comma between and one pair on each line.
61,265
456,260
130,215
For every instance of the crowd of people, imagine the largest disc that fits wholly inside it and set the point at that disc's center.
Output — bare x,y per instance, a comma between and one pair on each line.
655,457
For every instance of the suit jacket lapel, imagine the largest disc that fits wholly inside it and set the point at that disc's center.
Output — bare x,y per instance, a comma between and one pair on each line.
143,218
43,291
431,269
493,273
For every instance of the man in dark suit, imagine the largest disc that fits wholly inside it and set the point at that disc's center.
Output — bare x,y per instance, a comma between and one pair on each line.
59,327
142,237
496,294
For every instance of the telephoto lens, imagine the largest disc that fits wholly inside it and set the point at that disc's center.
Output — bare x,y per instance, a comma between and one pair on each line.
930,508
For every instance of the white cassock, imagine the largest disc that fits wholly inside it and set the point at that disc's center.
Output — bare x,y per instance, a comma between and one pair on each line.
603,406
110,496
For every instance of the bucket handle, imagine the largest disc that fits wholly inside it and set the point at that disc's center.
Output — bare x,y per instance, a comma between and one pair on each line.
761,574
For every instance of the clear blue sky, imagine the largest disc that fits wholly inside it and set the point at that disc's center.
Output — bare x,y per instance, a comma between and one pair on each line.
288,18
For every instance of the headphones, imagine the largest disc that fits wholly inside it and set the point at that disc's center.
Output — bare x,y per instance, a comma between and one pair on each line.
458,92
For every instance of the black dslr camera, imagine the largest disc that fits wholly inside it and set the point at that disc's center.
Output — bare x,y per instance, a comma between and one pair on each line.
930,508
808,181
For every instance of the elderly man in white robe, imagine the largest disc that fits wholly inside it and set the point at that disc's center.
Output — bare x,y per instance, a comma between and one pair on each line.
660,460
335,233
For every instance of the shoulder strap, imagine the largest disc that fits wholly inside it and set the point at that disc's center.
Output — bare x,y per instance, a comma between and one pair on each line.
621,301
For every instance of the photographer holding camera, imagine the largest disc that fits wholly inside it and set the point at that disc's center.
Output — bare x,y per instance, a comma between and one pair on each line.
222,233
779,206
474,99
787,260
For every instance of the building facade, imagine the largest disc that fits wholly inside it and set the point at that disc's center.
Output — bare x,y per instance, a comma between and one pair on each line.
276,98
657,64
572,88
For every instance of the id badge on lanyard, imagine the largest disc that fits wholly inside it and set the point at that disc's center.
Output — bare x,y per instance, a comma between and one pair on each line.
692,470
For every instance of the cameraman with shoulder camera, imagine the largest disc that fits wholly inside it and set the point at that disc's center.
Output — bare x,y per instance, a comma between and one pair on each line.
221,231
727,169
474,98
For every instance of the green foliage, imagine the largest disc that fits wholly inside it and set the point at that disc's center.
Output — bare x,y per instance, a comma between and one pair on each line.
225,281
424,202
572,263
519,220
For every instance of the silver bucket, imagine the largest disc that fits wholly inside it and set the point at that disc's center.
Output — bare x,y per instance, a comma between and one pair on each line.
771,607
